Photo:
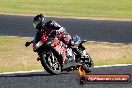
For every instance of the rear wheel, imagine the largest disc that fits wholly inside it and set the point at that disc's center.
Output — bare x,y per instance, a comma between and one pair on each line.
87,62
50,63
88,65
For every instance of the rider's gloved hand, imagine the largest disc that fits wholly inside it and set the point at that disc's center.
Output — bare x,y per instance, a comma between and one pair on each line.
52,34
27,44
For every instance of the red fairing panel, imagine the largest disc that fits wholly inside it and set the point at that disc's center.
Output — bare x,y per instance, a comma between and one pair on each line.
44,38
60,48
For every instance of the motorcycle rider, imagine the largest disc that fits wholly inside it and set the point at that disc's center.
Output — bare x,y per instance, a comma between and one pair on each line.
51,28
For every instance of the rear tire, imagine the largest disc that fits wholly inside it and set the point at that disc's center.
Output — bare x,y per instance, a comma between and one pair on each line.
88,66
87,63
50,63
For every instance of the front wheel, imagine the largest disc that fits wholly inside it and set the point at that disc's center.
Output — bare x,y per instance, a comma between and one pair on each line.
50,63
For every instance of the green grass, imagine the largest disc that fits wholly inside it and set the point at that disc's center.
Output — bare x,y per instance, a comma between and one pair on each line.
72,8
109,54
19,68
114,61
14,56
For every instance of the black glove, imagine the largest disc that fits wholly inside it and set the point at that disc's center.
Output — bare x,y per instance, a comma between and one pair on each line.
27,44
52,34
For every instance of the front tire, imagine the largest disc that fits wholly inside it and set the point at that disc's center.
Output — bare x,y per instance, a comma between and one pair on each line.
50,63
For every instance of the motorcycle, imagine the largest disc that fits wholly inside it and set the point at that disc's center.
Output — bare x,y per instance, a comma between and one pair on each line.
56,57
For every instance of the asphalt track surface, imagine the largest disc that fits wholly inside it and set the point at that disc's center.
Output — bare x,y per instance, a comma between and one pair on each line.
64,80
91,30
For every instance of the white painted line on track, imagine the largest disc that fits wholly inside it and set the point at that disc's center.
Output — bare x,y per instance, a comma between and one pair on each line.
17,72
17,36
116,65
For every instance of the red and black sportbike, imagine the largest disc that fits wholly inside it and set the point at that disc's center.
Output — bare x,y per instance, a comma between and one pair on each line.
56,57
